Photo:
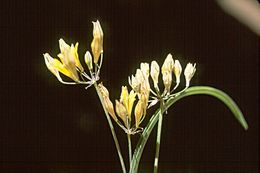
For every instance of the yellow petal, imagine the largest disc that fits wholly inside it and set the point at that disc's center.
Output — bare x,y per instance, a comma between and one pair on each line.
58,65
124,96
139,112
121,112
76,56
48,61
131,100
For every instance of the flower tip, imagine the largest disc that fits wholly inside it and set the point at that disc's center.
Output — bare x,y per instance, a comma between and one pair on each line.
88,60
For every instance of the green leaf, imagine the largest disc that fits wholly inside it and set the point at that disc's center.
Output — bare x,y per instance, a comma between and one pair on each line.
197,90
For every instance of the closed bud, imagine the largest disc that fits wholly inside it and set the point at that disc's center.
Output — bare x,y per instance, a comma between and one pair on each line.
168,64
97,42
189,72
167,81
145,69
121,112
155,70
139,112
88,60
107,102
103,90
177,71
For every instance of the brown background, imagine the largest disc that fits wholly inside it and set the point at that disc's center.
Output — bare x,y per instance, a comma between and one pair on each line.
48,127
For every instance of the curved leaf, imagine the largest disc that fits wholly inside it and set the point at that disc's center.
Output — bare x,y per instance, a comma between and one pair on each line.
197,90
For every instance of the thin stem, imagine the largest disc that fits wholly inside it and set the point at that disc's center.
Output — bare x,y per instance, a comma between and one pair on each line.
129,148
198,90
158,139
112,130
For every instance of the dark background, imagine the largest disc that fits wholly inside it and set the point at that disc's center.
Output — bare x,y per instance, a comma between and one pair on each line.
49,127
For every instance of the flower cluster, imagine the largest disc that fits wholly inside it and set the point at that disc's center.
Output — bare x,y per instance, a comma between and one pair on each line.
69,63
141,90
124,107
140,82
138,98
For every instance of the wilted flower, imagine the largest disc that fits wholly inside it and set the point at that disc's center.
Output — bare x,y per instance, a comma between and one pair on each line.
97,42
107,102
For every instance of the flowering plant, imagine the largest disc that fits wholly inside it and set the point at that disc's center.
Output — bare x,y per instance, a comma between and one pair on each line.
130,109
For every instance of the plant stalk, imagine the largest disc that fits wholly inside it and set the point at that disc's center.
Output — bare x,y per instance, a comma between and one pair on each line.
129,148
112,129
198,90
158,139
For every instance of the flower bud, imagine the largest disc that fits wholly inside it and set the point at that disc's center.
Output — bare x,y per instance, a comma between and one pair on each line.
177,71
107,102
155,70
121,112
167,81
189,72
74,52
88,60
139,112
145,69
97,42
167,68
168,64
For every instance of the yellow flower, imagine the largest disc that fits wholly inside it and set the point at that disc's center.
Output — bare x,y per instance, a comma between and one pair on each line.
97,42
69,55
55,66
122,112
140,110
69,61
128,100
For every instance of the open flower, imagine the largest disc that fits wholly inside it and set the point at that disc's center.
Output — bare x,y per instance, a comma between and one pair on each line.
68,64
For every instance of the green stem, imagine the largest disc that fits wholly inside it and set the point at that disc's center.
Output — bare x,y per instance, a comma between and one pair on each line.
112,130
198,90
129,148
158,139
